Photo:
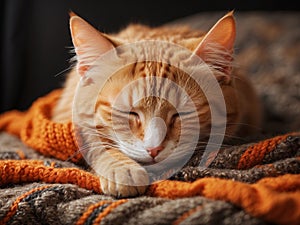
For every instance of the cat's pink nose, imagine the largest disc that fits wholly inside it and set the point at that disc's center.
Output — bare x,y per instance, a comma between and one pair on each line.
153,151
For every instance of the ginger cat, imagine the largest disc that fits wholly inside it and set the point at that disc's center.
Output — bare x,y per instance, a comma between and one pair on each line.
156,123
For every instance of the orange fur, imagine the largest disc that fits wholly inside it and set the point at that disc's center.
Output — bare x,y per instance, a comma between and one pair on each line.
121,164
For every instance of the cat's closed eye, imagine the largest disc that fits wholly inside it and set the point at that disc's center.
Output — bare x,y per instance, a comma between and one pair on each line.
151,122
133,116
131,113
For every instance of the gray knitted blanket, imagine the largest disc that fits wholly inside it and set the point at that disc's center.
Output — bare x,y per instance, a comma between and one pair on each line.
254,181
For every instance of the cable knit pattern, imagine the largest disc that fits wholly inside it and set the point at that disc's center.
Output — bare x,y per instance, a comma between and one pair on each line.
43,179
57,140
36,129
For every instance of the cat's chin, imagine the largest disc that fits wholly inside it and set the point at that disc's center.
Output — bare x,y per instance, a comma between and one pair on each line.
147,161
151,162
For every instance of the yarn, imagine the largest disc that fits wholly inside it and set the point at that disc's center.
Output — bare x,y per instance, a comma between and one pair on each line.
268,198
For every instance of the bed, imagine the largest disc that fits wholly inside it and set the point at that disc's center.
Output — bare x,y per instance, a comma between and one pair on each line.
254,181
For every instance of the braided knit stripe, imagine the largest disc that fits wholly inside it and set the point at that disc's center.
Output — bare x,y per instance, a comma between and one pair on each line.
14,206
257,199
254,198
256,153
91,210
15,172
108,210
272,166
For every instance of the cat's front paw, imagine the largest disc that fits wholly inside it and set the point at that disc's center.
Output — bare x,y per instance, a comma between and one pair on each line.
125,181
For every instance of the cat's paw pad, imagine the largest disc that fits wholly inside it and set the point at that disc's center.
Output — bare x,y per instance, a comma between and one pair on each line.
125,181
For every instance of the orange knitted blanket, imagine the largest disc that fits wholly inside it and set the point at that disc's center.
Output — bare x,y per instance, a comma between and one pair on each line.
35,129
275,198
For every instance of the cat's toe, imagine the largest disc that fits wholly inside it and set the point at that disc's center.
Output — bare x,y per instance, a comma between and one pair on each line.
125,182
123,191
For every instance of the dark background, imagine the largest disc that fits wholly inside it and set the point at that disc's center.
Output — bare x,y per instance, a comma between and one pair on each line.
35,40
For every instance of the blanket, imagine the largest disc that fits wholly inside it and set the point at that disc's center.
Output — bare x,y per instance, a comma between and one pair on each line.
43,178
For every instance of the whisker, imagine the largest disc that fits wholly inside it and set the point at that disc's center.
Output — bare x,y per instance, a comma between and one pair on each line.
63,71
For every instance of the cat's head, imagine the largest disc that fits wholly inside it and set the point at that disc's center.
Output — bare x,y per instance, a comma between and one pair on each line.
141,109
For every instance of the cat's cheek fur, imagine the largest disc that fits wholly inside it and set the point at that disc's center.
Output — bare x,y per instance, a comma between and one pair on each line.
167,152
118,169
136,152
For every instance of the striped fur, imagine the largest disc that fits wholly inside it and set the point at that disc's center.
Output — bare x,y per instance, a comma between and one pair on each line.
142,117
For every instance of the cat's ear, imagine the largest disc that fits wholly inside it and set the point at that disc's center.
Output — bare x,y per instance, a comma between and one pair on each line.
89,43
216,47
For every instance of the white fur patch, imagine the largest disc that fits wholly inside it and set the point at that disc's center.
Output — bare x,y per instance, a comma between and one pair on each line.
155,132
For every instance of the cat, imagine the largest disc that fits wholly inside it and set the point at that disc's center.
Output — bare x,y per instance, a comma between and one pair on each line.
155,124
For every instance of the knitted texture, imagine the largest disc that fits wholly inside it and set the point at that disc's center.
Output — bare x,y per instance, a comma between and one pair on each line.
255,199
36,129
251,162
43,182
